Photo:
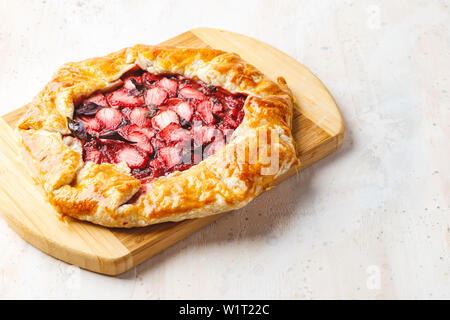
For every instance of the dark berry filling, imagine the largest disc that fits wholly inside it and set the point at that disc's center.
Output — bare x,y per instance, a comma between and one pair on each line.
156,124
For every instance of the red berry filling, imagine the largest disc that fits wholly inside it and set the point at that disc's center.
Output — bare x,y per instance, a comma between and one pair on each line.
157,124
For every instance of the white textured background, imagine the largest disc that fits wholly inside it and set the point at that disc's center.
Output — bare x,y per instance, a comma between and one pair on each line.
370,221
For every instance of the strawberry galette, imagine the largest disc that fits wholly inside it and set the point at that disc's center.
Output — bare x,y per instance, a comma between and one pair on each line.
153,134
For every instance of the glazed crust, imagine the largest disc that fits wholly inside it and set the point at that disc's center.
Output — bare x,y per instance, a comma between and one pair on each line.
260,150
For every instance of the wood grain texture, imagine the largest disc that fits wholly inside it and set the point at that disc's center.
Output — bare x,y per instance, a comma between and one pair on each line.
318,129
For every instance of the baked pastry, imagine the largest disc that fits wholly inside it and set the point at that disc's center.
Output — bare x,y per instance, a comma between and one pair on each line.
151,134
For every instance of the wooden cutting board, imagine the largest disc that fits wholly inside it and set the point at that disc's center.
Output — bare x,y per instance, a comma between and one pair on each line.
318,129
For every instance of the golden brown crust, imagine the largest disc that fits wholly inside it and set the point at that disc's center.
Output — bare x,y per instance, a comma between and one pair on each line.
97,188
55,163
227,180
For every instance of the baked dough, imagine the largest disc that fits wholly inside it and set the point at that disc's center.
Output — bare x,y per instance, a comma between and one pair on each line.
100,193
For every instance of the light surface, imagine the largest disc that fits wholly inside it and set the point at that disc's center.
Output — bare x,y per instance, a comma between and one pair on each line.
370,221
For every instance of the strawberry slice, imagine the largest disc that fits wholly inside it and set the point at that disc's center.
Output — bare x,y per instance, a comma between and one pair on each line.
171,86
149,132
132,157
155,96
109,118
185,110
205,134
91,124
141,117
164,118
129,130
143,142
148,78
174,133
123,98
98,99
132,83
190,93
205,108
171,156
173,101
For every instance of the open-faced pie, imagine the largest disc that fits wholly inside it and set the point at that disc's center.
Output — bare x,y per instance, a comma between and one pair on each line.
151,134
